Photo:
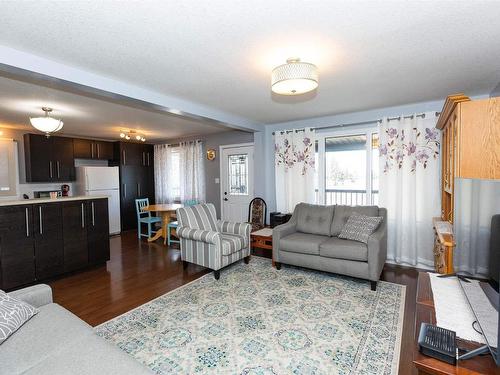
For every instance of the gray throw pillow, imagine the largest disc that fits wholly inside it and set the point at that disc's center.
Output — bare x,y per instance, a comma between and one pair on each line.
359,227
13,314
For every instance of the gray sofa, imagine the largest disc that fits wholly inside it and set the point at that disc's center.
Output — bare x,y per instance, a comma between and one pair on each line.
310,239
56,342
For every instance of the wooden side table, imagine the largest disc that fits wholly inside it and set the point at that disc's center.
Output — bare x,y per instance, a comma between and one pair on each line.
262,239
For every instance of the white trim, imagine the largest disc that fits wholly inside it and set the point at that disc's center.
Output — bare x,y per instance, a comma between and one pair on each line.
223,147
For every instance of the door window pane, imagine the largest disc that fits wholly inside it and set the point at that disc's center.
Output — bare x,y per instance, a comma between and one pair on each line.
238,174
345,170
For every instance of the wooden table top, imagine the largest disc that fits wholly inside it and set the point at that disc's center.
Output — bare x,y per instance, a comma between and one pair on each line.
163,207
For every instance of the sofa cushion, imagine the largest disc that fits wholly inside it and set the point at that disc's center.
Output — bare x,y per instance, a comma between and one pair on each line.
90,355
13,314
344,249
303,243
232,243
342,213
359,227
50,330
314,219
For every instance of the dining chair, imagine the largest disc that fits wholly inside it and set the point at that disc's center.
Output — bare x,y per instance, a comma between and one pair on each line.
144,217
175,224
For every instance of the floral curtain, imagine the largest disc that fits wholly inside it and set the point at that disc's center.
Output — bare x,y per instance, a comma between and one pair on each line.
294,168
409,186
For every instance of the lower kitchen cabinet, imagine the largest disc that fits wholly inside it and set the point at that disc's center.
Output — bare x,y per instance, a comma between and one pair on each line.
48,234
44,240
17,253
98,231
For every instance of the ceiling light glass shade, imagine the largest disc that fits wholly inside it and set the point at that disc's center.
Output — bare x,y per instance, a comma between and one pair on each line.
294,77
122,135
46,124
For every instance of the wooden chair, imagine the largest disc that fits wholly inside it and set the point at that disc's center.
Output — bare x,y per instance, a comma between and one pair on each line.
144,217
175,224
257,212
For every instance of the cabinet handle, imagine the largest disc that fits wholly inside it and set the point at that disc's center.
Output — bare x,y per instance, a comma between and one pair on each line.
83,217
50,169
148,159
93,217
138,189
124,190
124,157
27,223
97,145
58,169
143,158
92,150
40,219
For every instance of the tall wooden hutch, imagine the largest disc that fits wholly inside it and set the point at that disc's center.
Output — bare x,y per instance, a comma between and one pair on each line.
470,149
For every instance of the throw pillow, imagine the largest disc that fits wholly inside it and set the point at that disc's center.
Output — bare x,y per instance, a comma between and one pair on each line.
359,227
13,314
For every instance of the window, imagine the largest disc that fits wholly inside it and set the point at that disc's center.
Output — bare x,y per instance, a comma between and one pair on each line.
8,171
238,174
347,167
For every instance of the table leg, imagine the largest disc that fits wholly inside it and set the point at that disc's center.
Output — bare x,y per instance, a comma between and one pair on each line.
162,232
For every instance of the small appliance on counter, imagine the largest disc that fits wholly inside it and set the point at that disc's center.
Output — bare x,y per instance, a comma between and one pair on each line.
47,194
65,190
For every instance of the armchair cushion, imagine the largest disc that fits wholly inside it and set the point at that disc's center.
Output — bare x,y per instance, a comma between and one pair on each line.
242,229
207,236
338,248
303,243
232,243
200,216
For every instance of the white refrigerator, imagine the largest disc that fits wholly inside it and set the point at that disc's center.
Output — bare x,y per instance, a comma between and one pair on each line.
102,181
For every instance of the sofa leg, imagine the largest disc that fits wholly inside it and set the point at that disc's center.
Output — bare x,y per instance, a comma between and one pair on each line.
373,285
184,265
247,259
278,265
217,274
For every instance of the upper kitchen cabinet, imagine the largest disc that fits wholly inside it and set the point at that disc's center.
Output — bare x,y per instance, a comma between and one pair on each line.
49,159
90,149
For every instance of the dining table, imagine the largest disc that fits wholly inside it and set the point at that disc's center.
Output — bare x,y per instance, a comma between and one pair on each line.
167,212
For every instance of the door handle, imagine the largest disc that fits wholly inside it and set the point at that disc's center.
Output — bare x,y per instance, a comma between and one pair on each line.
50,169
83,217
27,223
226,199
58,169
93,216
40,219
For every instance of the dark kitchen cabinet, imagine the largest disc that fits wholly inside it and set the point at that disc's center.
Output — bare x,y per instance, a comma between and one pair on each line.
17,254
98,230
75,221
48,159
136,162
48,234
90,149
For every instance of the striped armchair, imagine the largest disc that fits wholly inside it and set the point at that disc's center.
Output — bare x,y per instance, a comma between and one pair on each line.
209,242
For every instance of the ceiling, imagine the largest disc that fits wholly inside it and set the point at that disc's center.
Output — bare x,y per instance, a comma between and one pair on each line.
88,117
220,53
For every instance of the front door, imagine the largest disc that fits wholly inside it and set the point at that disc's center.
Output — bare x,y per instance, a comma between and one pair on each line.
236,182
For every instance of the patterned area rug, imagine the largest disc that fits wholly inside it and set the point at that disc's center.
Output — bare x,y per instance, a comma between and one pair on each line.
258,320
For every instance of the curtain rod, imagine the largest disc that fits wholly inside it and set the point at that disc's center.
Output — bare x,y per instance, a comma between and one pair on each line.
358,123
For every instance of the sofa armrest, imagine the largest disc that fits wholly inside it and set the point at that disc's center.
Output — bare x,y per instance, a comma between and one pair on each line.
242,229
377,251
208,236
279,232
37,295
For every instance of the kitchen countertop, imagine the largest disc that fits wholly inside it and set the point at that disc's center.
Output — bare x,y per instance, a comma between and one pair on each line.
50,200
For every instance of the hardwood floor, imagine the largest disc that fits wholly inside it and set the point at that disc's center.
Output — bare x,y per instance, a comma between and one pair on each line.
140,271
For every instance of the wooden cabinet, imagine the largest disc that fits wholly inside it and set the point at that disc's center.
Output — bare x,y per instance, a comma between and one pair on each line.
90,149
74,214
17,254
136,178
97,230
48,159
48,234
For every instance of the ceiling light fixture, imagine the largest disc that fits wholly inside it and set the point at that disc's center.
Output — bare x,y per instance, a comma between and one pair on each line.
294,78
46,123
132,134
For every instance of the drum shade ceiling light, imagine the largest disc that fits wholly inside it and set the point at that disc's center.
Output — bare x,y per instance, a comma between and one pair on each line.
46,123
294,78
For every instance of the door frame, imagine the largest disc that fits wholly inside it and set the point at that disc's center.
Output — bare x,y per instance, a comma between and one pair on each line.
221,192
